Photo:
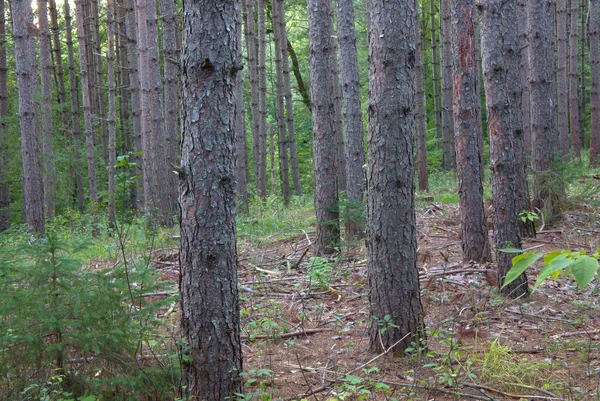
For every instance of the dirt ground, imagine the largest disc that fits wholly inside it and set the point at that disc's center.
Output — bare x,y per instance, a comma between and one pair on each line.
303,333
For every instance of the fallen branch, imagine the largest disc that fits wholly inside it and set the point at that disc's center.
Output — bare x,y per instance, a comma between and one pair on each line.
288,335
439,390
517,396
576,333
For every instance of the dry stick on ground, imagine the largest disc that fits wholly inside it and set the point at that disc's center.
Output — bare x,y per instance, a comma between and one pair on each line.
292,334
576,333
305,379
548,396
439,390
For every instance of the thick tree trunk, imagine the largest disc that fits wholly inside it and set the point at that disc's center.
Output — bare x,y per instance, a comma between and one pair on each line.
467,134
289,107
4,187
500,51
262,103
87,110
25,60
355,151
447,114
322,56
112,123
47,127
394,294
544,134
437,112
594,85
170,33
280,101
210,317
420,115
574,79
75,115
133,61
524,78
561,77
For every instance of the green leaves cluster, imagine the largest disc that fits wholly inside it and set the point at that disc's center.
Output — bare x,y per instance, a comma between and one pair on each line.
580,265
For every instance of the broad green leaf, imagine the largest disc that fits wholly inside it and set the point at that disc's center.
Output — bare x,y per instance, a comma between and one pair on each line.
584,269
553,268
555,254
520,264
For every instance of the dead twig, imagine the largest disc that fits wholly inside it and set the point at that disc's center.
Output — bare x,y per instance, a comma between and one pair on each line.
305,379
292,334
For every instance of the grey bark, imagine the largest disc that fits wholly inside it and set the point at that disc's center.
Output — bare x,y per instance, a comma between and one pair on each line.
524,78
75,115
289,106
47,126
211,61
467,134
544,133
322,56
355,151
437,111
420,117
561,77
25,59
447,115
574,79
394,288
500,56
4,187
280,101
594,84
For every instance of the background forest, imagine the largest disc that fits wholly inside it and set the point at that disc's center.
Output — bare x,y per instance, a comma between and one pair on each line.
422,145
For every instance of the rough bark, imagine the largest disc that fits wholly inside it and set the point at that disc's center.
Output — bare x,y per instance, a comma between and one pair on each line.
280,101
437,111
4,187
544,133
24,44
561,77
240,150
447,115
355,152
574,79
322,56
394,288
467,131
582,75
262,102
112,123
524,78
170,32
211,61
47,126
420,115
75,115
87,108
289,106
500,56
338,125
594,84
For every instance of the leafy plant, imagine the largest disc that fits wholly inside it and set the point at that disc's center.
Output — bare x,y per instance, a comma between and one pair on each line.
581,266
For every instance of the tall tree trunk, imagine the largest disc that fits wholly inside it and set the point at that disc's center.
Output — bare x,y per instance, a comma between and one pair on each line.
322,56
594,84
289,106
75,115
420,114
272,159
156,141
500,51
24,43
87,109
96,70
280,101
561,77
58,65
338,125
544,134
210,318
262,102
437,112
582,75
391,226
137,197
112,123
524,78
240,150
170,32
574,79
4,187
355,150
447,115
49,171
474,238
296,70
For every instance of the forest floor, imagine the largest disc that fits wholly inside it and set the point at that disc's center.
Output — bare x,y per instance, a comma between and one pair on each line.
304,322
